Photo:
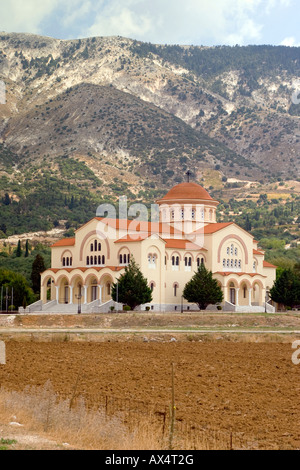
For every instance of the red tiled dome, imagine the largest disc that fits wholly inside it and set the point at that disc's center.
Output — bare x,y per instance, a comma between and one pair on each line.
191,191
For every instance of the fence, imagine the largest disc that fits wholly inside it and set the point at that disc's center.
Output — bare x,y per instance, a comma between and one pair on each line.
187,435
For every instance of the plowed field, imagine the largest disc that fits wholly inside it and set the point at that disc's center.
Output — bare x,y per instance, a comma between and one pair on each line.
250,389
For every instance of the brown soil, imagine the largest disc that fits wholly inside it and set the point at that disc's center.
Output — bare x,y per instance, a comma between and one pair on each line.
250,389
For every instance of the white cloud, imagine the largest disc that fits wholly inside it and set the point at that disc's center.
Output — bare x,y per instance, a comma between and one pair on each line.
120,20
162,21
181,21
291,41
25,16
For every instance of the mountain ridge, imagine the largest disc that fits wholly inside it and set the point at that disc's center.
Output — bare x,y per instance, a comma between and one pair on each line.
132,117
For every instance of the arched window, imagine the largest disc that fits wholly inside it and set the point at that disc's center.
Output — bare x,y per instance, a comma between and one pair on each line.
224,263
173,260
175,290
177,260
99,246
188,261
103,260
68,261
96,245
121,259
99,259
152,286
92,260
92,247
64,261
88,260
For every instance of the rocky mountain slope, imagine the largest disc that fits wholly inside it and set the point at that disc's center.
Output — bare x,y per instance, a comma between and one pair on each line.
105,116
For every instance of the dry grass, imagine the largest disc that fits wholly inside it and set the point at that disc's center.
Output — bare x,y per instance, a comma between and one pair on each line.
42,412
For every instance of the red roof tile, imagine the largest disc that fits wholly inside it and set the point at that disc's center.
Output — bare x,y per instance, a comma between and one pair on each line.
64,242
266,264
182,244
183,191
212,228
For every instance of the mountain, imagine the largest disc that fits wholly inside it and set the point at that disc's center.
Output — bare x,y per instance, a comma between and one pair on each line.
88,120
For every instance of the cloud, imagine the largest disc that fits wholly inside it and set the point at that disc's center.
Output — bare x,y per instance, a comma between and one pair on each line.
20,16
291,42
183,21
161,21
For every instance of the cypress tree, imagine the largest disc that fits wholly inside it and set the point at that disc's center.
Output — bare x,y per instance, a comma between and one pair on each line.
38,267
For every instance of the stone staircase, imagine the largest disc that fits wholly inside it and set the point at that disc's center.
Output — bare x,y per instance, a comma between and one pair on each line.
53,307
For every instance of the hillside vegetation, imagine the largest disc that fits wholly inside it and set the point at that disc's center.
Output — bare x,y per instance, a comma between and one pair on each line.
86,121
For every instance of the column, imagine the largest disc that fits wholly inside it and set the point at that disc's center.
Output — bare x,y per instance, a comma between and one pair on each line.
71,295
237,296
250,297
57,293
100,293
85,294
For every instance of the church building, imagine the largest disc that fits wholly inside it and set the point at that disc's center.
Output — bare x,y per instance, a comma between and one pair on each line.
168,252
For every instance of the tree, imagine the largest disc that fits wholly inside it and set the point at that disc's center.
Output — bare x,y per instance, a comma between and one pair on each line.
6,200
27,249
132,288
38,267
17,288
19,250
202,289
286,289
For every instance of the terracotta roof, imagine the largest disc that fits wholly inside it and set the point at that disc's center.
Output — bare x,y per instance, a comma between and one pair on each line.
266,264
143,227
83,269
212,228
192,191
64,242
229,273
133,238
257,252
182,244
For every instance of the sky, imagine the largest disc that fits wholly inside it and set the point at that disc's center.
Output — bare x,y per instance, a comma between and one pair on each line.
190,22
